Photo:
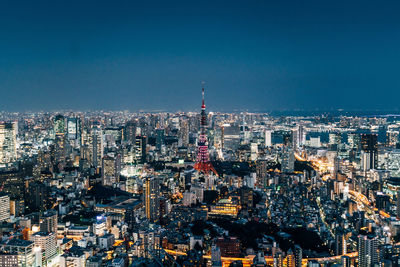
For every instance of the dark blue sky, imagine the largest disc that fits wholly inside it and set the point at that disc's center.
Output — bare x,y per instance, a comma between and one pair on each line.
255,55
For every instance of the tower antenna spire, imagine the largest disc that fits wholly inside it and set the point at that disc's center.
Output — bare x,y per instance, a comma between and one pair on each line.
203,105
203,163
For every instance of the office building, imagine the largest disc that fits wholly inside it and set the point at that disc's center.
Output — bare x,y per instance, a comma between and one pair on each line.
4,207
368,250
369,146
111,169
152,198
8,142
49,221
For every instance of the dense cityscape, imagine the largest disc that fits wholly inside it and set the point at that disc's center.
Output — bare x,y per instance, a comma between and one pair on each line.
199,189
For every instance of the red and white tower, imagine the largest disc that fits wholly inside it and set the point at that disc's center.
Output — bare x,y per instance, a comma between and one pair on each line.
203,163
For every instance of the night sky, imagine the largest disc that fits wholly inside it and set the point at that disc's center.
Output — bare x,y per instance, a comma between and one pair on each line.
153,55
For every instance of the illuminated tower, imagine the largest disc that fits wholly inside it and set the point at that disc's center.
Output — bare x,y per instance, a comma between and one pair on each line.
203,163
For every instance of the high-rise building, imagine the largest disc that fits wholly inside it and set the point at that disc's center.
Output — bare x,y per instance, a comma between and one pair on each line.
9,259
184,132
246,198
111,169
298,256
290,260
72,128
287,164
96,146
340,242
140,149
278,259
152,198
368,250
268,138
47,242
301,136
392,138
59,132
346,261
160,138
4,207
22,248
354,141
335,138
49,221
398,204
7,143
261,173
216,256
129,131
369,146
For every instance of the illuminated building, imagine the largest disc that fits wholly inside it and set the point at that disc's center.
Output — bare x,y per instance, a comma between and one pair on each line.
261,172
96,146
246,198
368,250
106,241
184,132
225,207
398,204
216,256
48,221
268,138
59,132
160,138
369,146
140,149
346,261
7,143
4,207
392,138
278,260
298,256
354,140
110,170
151,198
392,162
340,242
8,260
229,246
74,258
203,163
22,248
335,138
47,243
290,259
72,128
288,161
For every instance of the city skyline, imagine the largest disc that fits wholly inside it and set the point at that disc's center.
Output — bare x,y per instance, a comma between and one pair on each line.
262,56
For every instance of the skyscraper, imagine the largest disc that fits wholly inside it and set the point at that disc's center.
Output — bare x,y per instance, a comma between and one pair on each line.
59,132
369,146
4,207
340,242
368,250
110,170
152,198
288,161
7,142
298,256
96,146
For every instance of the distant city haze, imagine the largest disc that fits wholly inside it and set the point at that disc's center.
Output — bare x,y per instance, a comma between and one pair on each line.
153,55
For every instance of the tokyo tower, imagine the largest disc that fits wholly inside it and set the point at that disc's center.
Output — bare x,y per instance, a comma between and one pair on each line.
203,163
